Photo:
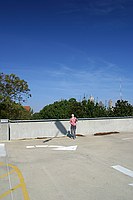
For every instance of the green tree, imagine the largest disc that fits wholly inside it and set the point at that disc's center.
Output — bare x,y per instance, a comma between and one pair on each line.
110,112
13,91
12,110
84,108
90,109
13,88
36,115
123,108
74,107
100,111
59,109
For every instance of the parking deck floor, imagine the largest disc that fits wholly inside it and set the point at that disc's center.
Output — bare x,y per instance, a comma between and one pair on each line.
90,167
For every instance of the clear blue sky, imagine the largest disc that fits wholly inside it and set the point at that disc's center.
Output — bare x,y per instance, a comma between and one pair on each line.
69,48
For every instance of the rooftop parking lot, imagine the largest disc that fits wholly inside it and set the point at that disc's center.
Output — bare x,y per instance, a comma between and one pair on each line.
90,167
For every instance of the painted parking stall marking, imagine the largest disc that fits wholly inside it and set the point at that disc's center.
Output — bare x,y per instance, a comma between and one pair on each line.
131,138
125,171
20,185
54,147
2,150
41,146
69,148
30,147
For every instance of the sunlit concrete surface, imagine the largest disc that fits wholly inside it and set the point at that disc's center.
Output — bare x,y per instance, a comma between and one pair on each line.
90,167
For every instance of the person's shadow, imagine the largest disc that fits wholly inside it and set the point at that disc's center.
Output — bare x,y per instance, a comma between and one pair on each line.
62,129
69,135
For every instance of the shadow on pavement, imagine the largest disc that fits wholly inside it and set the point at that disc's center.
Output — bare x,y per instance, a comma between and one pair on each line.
62,129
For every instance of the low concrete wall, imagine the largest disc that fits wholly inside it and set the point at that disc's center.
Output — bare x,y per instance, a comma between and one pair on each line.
4,130
38,129
105,125
53,128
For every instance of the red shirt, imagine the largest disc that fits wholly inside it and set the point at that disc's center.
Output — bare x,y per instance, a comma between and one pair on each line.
73,121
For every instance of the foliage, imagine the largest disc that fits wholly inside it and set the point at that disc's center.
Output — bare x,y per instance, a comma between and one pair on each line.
13,88
13,91
36,115
12,110
123,108
59,109
84,109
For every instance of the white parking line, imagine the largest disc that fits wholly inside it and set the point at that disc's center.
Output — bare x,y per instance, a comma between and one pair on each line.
30,147
131,184
54,147
2,150
124,170
128,138
70,148
41,146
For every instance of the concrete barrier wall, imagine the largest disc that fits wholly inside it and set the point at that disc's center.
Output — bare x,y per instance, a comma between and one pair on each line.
53,128
38,129
105,125
4,131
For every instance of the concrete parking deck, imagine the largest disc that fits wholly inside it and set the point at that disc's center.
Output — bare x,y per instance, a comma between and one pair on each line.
90,167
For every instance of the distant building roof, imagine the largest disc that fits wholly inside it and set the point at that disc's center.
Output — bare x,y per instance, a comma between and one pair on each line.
28,108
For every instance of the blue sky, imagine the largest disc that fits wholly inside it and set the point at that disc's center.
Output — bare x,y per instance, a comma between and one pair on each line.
69,48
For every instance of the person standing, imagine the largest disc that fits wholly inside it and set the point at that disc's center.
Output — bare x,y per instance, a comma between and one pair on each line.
73,122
